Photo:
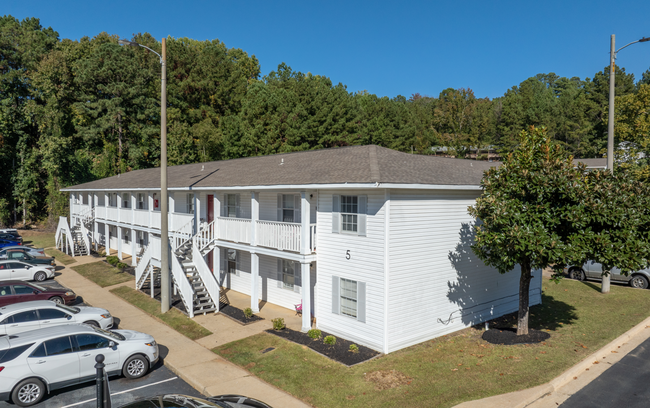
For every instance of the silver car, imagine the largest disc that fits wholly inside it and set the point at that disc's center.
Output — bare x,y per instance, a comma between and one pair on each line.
38,314
39,361
593,270
35,252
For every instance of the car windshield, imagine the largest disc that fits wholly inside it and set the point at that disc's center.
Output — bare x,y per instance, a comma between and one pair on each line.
70,309
39,287
114,335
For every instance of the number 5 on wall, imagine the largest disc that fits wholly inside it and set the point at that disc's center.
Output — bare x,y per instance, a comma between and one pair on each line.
347,254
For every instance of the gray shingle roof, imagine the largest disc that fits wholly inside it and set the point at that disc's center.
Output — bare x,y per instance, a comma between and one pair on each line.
354,164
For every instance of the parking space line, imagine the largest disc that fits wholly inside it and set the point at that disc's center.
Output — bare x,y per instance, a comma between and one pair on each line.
121,392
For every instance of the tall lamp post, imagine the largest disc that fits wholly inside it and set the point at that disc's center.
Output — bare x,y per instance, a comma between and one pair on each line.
610,124
165,287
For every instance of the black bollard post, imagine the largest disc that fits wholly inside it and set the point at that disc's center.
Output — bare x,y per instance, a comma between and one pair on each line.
99,378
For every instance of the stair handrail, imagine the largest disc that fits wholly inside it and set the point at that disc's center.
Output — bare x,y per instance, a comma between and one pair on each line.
180,236
205,236
141,268
63,228
205,274
84,235
184,288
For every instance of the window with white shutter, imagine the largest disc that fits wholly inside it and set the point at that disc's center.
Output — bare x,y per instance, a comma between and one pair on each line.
349,298
349,214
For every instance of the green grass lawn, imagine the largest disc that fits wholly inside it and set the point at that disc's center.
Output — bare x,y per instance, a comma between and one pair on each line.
173,318
37,239
103,274
460,367
65,259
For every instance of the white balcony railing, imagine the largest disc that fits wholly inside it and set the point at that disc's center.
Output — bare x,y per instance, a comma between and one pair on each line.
279,235
234,229
126,215
100,212
111,214
141,217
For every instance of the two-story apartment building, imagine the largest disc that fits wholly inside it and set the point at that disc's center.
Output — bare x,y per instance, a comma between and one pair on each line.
374,243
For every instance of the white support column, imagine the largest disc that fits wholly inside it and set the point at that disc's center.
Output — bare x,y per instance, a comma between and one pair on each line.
197,212
119,243
216,264
134,261
107,239
134,205
255,216
306,296
255,273
217,213
96,234
150,207
305,211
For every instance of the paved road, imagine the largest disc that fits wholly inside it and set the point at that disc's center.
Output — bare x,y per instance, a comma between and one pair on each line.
625,384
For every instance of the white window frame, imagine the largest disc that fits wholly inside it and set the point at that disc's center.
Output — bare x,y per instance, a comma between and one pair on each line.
291,198
189,203
142,201
126,202
286,276
112,200
350,214
347,301
231,260
228,206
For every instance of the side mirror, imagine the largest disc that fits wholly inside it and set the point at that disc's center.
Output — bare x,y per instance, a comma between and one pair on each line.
68,317
112,344
35,292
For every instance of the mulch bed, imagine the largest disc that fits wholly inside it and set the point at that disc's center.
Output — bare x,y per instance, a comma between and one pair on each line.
339,352
237,314
508,336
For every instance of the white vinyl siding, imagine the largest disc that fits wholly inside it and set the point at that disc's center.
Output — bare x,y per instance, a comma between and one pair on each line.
366,264
434,271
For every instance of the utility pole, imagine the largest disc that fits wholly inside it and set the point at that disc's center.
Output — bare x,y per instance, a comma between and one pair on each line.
610,132
165,287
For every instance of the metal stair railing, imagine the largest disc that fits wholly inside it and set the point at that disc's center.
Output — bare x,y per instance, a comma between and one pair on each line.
142,267
206,275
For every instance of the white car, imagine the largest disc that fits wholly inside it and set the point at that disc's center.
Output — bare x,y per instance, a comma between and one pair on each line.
38,314
39,361
16,270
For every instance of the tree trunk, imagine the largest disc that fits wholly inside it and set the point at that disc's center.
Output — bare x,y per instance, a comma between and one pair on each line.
524,288
604,288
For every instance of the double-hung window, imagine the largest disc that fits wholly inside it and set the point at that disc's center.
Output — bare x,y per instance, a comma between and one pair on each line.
189,203
126,200
288,274
231,262
288,202
230,205
112,199
142,203
349,214
349,298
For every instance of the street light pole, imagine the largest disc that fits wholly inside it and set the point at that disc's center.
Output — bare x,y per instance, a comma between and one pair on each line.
165,284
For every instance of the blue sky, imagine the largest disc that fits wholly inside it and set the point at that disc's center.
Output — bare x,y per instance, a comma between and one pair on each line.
388,48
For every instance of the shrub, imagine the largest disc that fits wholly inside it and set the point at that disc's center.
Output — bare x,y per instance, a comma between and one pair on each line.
248,312
331,340
102,253
113,260
278,324
121,265
354,348
315,334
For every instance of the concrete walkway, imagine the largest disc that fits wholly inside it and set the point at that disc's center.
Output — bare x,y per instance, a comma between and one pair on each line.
209,373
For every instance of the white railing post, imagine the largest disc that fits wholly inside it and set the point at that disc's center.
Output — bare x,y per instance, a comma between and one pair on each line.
306,295
255,216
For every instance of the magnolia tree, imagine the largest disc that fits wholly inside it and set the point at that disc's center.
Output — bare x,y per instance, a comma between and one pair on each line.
539,209
528,211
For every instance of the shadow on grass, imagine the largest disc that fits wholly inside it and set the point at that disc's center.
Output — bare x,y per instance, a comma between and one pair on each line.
551,315
593,286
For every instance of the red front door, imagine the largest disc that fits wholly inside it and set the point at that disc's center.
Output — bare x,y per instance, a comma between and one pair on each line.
210,219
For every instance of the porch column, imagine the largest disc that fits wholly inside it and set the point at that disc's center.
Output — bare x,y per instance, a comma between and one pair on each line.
150,208
134,261
96,234
197,212
216,264
119,243
255,216
255,273
107,239
305,214
306,296
217,213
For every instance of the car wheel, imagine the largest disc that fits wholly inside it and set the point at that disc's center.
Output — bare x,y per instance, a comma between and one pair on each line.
57,299
40,276
92,323
28,392
639,281
577,274
135,367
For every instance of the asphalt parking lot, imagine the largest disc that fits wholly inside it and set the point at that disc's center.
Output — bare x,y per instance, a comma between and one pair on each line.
160,380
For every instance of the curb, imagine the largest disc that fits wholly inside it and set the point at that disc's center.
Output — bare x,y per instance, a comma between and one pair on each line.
579,368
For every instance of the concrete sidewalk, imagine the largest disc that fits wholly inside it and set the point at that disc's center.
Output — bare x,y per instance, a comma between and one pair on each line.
209,373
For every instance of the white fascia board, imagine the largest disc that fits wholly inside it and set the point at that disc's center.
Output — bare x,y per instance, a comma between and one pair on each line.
338,186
